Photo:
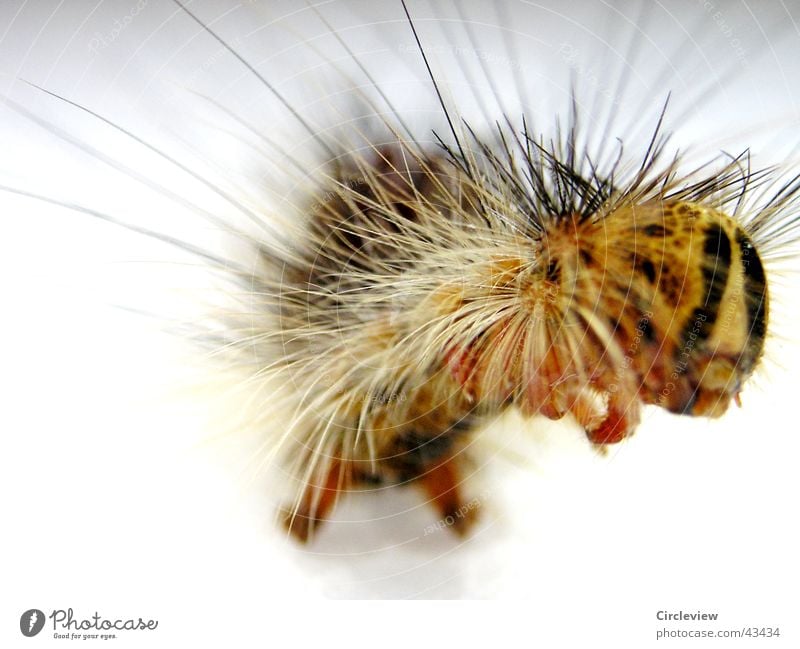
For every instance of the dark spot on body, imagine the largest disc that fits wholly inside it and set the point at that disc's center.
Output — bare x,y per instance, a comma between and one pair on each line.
647,329
717,244
414,450
368,478
717,251
756,297
553,272
671,287
751,263
654,230
649,270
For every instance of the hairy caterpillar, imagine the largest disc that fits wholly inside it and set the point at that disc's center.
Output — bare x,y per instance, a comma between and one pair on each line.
372,183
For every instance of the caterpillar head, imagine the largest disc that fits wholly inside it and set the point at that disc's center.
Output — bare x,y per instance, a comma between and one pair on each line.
699,298
674,300
660,303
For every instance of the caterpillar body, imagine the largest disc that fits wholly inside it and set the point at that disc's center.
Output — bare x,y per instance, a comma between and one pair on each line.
438,290
432,290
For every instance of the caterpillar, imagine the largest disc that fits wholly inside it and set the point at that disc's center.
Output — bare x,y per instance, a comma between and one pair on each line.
464,297
433,290
410,287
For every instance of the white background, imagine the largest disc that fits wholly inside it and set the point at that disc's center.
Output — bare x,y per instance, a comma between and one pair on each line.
129,477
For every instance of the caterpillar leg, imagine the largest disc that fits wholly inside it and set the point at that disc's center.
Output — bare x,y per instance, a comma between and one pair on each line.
441,486
416,440
438,477
439,483
612,426
429,458
316,503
